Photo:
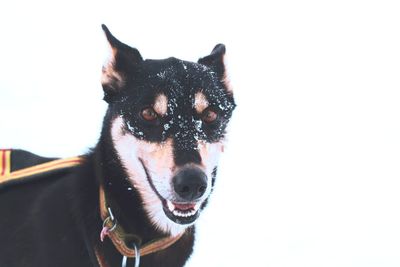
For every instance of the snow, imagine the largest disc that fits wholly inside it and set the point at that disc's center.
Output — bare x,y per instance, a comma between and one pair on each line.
166,126
135,130
310,176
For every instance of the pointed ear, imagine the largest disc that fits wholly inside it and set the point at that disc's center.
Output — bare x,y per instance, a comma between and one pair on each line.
216,62
122,60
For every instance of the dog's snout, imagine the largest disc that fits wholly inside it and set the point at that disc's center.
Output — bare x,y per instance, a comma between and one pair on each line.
190,184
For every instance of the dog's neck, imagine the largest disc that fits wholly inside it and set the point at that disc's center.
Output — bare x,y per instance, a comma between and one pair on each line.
126,205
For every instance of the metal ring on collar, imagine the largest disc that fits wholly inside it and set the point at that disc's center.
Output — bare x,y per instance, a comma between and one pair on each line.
137,257
112,228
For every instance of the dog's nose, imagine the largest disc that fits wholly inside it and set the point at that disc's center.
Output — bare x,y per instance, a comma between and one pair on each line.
190,183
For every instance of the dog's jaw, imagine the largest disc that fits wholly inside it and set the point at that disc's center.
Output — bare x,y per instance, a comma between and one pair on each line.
128,150
137,157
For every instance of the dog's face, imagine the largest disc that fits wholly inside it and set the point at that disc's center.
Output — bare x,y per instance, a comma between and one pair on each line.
169,129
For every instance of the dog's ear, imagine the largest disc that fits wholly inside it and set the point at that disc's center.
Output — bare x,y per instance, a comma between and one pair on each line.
123,58
216,62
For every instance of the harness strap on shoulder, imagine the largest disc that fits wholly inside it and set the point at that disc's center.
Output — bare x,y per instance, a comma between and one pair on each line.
5,166
5,162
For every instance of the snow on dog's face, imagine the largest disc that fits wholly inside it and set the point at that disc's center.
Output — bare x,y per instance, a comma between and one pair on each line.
168,128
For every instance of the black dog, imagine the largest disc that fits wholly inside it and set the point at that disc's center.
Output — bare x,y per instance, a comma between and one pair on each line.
140,190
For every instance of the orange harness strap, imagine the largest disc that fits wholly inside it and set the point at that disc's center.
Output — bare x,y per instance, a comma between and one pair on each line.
5,162
5,166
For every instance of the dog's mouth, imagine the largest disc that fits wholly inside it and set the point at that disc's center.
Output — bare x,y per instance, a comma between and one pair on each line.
182,213
178,212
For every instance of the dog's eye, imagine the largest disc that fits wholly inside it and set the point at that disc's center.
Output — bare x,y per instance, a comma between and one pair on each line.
149,114
209,116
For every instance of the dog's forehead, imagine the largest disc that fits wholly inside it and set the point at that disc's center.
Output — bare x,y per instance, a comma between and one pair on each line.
175,67
180,82
173,75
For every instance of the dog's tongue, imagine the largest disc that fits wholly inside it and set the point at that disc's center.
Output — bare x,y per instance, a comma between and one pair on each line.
187,206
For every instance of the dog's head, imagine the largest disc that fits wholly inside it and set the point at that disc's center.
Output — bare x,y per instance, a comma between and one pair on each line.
169,128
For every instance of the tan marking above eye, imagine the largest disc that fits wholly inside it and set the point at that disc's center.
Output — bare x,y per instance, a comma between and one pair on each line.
200,102
161,104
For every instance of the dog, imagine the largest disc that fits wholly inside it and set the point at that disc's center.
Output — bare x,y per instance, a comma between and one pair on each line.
134,198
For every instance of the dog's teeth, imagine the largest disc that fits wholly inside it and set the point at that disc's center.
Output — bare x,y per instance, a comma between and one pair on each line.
179,213
171,206
197,206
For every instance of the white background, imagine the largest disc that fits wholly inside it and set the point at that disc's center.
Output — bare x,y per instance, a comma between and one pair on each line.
311,175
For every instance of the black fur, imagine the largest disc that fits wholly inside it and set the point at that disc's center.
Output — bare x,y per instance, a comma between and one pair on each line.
54,220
